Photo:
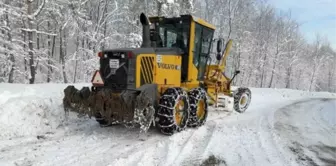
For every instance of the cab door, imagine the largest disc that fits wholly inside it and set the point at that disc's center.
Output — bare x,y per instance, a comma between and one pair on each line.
202,45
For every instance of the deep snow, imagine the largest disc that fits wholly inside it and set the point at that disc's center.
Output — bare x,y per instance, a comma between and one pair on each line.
281,127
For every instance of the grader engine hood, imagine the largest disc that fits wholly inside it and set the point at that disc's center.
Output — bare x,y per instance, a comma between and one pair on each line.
117,69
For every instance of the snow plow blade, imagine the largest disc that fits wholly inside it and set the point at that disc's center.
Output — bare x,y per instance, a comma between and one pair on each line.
129,107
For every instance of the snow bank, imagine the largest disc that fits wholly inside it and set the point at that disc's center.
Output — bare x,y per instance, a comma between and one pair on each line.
288,94
24,116
30,110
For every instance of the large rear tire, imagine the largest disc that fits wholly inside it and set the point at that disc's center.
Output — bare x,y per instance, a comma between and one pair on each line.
198,107
242,99
173,111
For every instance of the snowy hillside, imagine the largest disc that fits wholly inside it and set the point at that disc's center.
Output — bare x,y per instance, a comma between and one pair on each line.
281,127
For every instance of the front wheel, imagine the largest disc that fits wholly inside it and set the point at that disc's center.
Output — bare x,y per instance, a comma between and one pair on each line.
173,111
242,99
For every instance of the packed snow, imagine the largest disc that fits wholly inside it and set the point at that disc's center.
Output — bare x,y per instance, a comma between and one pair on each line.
281,127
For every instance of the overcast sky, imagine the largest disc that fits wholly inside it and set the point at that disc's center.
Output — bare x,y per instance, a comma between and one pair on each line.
316,16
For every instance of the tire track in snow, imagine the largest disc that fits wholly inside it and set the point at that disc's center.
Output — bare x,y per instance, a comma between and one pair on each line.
180,149
268,143
175,144
193,150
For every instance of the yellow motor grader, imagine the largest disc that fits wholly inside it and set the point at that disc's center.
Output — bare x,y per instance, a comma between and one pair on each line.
168,82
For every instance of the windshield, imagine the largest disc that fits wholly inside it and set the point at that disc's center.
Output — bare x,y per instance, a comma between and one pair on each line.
172,33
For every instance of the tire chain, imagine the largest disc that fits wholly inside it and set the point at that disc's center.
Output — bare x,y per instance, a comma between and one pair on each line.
194,96
165,112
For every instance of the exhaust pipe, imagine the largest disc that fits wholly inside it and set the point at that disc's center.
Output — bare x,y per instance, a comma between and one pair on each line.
145,31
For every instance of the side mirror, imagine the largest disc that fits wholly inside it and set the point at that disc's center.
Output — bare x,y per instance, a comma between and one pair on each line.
236,73
220,45
219,56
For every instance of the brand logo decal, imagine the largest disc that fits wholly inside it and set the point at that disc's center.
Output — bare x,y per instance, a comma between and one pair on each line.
169,66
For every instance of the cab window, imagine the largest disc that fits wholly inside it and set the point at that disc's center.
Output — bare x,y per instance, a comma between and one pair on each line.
173,35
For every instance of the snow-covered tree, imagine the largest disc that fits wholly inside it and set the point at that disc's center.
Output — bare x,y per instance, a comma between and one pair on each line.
58,41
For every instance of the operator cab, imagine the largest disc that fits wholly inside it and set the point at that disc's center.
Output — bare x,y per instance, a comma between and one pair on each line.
170,32
176,33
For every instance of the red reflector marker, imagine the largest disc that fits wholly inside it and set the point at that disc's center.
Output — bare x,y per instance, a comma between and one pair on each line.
100,54
129,54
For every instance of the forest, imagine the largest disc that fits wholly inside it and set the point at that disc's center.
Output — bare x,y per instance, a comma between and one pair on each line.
57,41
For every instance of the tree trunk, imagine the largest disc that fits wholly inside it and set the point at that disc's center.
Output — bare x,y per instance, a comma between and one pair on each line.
52,55
102,47
159,8
299,78
230,21
11,56
273,71
30,43
24,57
38,56
263,71
62,58
76,60
330,78
274,64
49,55
313,77
288,78
82,65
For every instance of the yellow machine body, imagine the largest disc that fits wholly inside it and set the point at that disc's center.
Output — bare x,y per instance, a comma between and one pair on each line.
169,78
165,70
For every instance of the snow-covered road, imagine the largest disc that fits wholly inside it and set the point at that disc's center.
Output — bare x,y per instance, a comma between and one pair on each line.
281,127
